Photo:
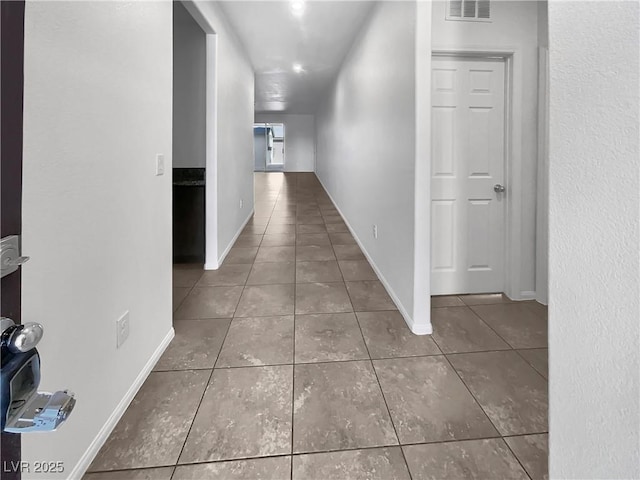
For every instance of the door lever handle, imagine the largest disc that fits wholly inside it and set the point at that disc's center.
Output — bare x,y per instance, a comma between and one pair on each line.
499,188
16,262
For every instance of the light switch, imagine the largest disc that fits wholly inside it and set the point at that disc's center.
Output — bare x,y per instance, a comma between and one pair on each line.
159,164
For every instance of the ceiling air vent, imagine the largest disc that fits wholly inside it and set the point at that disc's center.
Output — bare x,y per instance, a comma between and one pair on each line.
469,10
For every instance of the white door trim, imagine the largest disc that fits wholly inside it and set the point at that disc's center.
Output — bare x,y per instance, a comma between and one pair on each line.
513,157
212,259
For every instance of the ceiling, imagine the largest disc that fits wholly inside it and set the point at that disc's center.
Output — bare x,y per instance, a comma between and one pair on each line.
283,36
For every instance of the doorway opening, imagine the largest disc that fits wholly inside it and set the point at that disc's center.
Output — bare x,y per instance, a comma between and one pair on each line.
269,148
189,137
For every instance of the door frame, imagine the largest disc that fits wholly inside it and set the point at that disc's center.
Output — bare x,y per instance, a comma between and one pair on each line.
513,156
212,257
12,19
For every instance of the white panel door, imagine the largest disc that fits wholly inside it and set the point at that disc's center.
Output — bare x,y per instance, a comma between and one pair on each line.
467,215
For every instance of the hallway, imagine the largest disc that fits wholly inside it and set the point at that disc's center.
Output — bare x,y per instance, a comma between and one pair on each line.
291,361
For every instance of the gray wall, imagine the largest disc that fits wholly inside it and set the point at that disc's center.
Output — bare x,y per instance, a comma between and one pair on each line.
370,178
189,77
82,58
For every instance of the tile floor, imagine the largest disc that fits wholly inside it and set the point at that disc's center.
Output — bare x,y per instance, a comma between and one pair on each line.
291,361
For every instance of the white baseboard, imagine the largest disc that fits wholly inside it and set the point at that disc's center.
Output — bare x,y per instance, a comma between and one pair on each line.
208,266
85,461
527,295
416,329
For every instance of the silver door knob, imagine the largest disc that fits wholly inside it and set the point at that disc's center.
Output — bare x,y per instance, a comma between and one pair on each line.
20,338
498,188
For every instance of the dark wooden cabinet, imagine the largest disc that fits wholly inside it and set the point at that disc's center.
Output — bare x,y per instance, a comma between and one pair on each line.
188,215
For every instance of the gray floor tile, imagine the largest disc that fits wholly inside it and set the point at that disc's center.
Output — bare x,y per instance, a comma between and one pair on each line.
241,255
372,463
246,412
340,227
163,473
186,277
258,341
332,219
314,228
428,402
282,220
322,298
248,240
516,324
348,252
458,329
357,270
209,302
342,239
387,335
312,239
339,406
195,346
268,468
311,272
266,300
254,229
537,308
510,391
276,254
227,275
162,411
369,296
446,301
278,240
538,358
471,459
258,220
310,219
533,453
272,273
179,294
280,229
314,253
328,338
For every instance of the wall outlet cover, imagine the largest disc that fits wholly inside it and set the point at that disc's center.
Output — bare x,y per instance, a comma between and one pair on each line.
122,329
159,164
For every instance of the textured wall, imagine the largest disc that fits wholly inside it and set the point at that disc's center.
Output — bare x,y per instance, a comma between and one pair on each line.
594,302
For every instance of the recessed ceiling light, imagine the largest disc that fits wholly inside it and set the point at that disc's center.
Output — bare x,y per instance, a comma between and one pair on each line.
297,7
297,68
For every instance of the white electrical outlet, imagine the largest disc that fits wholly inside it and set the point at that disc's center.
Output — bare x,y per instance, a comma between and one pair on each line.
159,164
375,232
241,203
122,329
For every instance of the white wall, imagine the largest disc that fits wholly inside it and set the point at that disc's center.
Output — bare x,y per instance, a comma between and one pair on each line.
366,148
299,141
514,26
230,167
189,90
97,221
594,309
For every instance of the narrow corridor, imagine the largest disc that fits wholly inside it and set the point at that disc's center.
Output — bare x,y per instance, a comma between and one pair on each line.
291,361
